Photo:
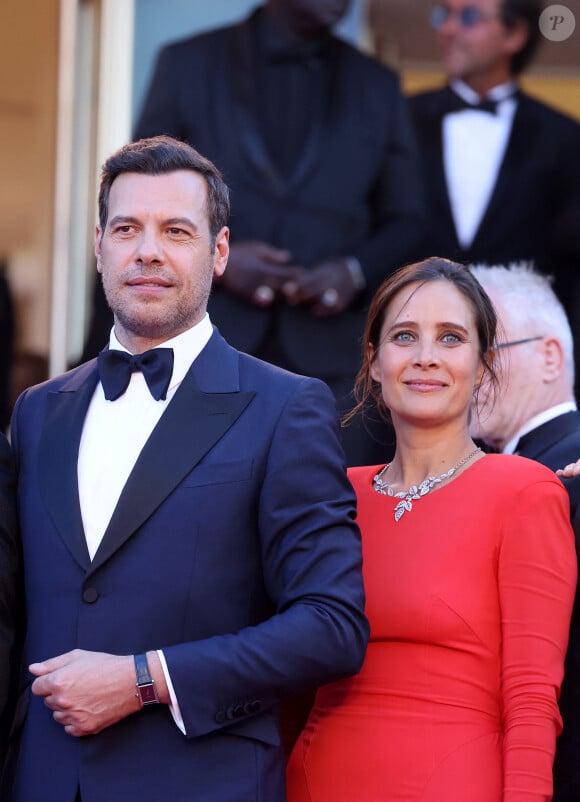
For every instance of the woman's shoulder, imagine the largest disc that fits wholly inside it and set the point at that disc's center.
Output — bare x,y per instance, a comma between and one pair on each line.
363,475
516,471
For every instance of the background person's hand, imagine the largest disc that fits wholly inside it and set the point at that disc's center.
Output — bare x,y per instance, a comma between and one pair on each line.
257,272
328,288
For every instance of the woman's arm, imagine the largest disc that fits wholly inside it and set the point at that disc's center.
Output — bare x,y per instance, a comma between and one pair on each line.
537,580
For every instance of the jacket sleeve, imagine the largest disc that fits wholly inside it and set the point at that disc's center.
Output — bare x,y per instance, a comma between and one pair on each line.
311,558
397,198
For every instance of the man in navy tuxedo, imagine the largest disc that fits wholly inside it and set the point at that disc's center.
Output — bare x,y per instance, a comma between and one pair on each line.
534,413
190,549
501,169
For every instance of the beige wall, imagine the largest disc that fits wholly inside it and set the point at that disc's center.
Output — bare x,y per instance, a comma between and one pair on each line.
28,78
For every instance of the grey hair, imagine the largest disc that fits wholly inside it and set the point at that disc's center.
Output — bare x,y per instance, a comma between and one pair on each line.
532,304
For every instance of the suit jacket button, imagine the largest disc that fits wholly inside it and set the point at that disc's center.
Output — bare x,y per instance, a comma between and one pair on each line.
90,595
220,717
255,706
238,711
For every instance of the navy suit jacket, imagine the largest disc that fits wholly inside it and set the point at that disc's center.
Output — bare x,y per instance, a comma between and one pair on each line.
534,208
233,548
355,191
555,444
10,593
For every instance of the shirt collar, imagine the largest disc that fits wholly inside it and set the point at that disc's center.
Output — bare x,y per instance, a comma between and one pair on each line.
187,346
498,93
538,420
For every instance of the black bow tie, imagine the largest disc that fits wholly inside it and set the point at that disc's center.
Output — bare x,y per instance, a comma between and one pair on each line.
116,367
455,102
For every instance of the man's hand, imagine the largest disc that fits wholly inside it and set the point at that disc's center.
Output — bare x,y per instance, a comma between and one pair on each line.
327,289
88,691
257,272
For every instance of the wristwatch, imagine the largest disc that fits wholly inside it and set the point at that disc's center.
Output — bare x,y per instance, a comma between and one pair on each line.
146,691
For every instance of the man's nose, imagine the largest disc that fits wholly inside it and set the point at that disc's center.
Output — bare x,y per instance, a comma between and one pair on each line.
149,249
450,24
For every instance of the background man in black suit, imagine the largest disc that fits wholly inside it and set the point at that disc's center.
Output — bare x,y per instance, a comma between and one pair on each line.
536,415
501,186
315,141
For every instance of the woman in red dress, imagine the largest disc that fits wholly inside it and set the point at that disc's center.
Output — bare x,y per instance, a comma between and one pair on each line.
470,572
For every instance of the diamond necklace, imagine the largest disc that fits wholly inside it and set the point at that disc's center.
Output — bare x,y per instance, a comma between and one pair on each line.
415,491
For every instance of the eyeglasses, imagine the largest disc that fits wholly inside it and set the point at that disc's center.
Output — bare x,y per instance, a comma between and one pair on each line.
468,16
518,342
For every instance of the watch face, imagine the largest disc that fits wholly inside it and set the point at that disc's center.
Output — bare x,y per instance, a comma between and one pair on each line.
148,694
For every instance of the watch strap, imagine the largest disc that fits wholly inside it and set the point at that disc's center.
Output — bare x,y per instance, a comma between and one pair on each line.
146,689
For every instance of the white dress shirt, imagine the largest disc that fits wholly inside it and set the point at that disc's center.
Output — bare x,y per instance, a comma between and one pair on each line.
474,144
538,420
113,436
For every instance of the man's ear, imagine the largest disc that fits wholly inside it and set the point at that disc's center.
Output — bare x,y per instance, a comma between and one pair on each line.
516,38
221,251
554,358
98,237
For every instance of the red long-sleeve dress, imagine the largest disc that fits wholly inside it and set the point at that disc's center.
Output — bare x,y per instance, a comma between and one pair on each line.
469,597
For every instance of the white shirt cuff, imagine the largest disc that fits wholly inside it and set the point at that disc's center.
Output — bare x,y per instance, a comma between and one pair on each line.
174,704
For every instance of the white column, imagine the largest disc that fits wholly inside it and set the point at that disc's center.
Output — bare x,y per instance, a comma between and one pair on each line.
115,76
63,182
87,132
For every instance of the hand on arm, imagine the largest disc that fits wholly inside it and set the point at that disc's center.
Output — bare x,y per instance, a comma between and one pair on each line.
570,470
89,691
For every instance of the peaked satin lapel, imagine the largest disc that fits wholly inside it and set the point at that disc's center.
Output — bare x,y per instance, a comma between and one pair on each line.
520,152
239,85
435,172
58,456
191,425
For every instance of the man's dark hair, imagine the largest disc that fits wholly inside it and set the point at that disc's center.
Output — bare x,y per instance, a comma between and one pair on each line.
163,154
516,12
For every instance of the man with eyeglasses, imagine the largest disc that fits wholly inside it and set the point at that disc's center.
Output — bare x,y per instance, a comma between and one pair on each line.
502,170
535,414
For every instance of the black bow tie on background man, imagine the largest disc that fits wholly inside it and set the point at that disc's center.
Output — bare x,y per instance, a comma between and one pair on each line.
454,102
116,367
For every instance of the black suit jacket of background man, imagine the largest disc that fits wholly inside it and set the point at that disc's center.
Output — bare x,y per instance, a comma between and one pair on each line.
555,444
354,191
534,208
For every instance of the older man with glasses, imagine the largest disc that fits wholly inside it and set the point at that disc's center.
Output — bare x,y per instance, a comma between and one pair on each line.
502,170
535,414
